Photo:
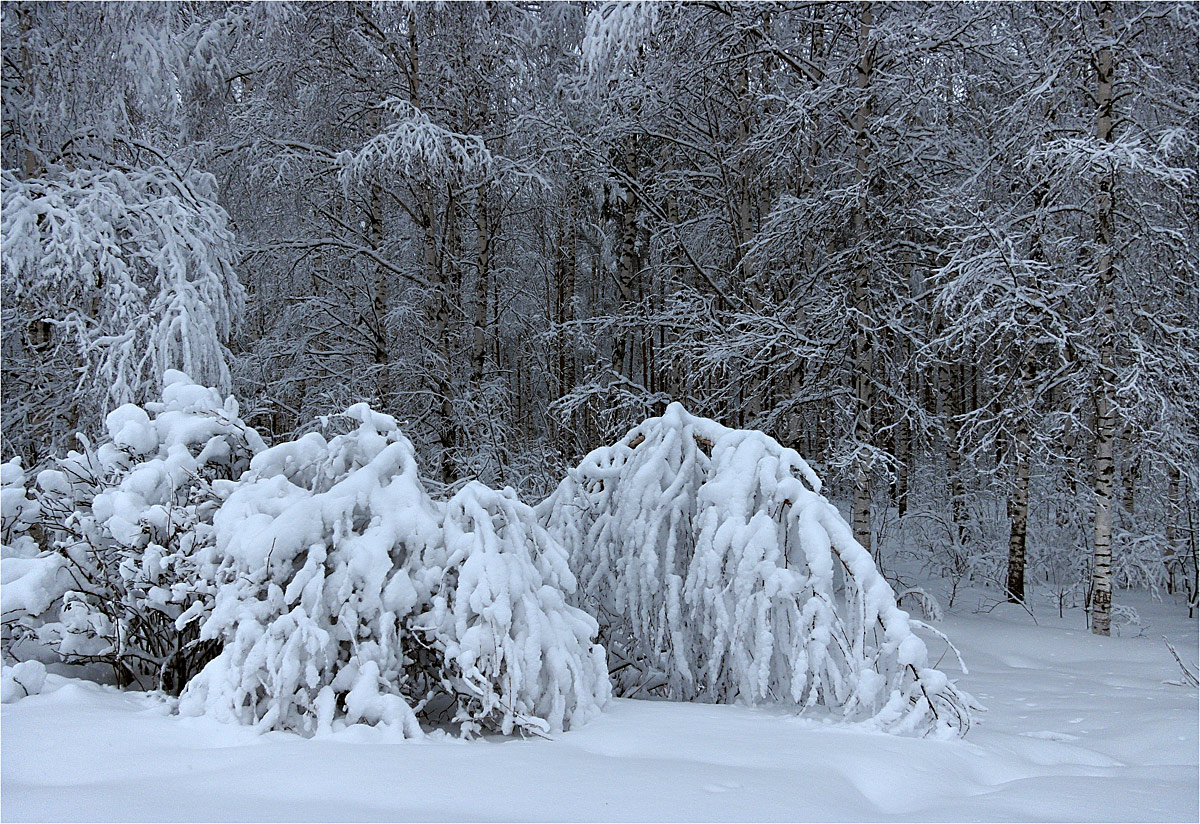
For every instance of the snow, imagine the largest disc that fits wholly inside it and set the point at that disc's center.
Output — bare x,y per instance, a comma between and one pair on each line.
341,583
1078,728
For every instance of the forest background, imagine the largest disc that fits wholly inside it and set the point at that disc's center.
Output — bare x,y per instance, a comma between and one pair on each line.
946,251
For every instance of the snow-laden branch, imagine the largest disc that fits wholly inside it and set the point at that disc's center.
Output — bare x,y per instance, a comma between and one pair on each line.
719,564
348,594
415,145
136,266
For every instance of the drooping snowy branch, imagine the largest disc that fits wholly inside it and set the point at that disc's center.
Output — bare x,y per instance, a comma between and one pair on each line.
348,594
413,143
713,559
135,266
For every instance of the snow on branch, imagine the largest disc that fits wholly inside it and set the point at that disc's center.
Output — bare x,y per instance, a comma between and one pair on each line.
123,524
347,594
414,144
135,265
614,32
716,563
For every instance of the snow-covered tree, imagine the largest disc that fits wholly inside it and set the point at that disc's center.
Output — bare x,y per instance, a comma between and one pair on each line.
118,261
136,267
716,566
347,594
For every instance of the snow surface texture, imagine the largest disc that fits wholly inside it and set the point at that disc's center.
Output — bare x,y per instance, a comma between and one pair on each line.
721,574
346,594
1078,728
125,521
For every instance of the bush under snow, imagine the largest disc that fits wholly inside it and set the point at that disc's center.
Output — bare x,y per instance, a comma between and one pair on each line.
124,521
317,584
719,573
347,594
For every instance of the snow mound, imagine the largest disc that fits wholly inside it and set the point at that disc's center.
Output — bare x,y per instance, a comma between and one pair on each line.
346,595
721,574
29,580
25,679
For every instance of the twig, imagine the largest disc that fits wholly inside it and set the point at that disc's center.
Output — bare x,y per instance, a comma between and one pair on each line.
1188,676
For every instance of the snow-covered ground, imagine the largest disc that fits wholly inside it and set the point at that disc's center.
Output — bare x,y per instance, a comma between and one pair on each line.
1078,728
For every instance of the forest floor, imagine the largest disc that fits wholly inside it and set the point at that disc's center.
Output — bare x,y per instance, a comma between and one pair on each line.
1077,728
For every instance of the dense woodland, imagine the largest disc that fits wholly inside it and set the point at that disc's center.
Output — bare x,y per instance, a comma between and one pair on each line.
946,251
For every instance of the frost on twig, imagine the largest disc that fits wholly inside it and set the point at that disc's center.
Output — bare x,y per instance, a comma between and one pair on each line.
1189,677
712,557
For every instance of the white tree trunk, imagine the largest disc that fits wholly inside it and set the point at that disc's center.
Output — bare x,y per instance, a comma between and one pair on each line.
1018,502
1105,416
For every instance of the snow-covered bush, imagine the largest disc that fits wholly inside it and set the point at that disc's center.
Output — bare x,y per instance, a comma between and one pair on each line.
125,520
721,574
18,511
515,653
30,580
347,594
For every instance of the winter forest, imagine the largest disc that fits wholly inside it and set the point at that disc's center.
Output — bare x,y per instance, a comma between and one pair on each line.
620,379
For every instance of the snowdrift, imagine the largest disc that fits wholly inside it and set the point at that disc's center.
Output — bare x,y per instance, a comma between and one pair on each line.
720,573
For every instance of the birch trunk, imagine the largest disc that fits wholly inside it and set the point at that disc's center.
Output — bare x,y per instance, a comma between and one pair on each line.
1170,550
1018,502
949,391
628,265
483,266
1106,378
438,311
381,300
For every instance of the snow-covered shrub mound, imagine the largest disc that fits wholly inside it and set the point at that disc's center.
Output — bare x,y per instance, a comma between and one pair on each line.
24,679
515,653
125,520
347,594
18,511
30,580
720,573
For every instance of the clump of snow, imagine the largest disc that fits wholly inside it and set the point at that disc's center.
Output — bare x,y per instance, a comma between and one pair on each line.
18,511
30,580
24,679
721,574
346,594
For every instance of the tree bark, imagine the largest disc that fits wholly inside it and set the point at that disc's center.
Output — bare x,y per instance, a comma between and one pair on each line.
863,386
438,308
1106,325
628,265
1170,549
483,266
1018,502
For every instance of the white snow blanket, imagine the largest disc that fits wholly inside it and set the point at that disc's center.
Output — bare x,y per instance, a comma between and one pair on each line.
1078,728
